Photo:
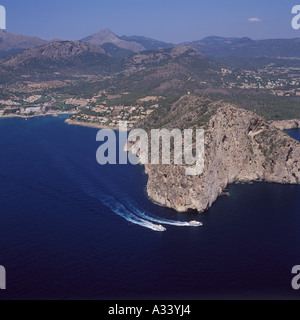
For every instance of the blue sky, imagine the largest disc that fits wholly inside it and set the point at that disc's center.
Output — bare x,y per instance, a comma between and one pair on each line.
168,20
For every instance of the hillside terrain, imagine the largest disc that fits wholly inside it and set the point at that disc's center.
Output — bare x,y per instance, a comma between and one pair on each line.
108,71
11,43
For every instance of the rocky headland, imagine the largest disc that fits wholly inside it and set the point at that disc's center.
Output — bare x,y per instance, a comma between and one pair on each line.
240,146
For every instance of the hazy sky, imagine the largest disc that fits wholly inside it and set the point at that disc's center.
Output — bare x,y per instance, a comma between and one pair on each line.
168,20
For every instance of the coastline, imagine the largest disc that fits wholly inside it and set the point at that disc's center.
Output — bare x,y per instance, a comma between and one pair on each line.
56,114
91,125
67,121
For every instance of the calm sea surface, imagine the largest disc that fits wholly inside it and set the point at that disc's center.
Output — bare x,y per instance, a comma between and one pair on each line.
72,229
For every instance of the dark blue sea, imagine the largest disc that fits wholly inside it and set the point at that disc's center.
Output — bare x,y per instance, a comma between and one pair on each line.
72,229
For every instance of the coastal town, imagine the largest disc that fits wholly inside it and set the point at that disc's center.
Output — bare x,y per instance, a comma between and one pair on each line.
82,111
105,109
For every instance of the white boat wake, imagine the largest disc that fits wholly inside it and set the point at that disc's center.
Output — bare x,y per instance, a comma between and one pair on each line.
123,212
127,210
136,216
149,217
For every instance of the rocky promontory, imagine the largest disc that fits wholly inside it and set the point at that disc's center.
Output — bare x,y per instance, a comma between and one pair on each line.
240,146
286,124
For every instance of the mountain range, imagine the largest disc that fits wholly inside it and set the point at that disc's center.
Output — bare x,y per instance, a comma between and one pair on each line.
140,64
58,60
246,47
112,44
122,46
162,69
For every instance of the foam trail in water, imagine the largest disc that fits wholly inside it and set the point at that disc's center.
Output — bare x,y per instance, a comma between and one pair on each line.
123,212
73,173
149,217
136,216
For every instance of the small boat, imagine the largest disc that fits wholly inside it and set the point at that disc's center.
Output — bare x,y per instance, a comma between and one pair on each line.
195,224
158,227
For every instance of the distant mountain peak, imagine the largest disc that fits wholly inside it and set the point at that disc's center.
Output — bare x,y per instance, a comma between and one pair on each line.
101,37
107,36
107,31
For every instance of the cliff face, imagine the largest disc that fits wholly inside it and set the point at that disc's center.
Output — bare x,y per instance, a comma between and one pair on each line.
239,147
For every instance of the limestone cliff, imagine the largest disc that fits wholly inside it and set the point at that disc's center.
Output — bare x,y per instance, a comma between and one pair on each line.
240,146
